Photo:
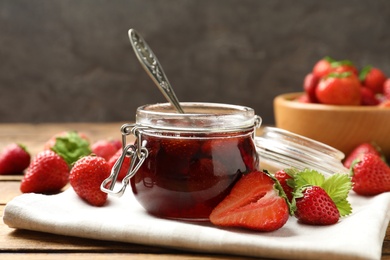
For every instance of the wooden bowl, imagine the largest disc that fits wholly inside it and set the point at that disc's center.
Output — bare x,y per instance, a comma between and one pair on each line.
343,127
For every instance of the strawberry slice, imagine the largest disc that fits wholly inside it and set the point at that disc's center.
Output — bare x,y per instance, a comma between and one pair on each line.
253,203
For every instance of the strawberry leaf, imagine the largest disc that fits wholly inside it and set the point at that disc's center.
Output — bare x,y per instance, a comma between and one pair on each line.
344,207
71,147
338,186
308,177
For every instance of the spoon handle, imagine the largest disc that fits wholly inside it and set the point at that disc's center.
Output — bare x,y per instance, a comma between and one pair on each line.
151,65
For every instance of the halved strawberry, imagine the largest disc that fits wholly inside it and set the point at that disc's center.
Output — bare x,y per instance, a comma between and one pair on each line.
253,203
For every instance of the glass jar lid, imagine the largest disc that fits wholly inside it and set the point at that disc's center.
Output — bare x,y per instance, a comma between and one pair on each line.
198,116
301,152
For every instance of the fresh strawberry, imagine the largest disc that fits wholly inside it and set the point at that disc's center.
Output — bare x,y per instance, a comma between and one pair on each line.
70,145
344,66
125,164
253,203
368,97
370,175
328,65
47,173
309,85
386,89
117,143
359,151
104,148
339,89
285,178
319,200
14,159
372,78
86,177
315,207
322,67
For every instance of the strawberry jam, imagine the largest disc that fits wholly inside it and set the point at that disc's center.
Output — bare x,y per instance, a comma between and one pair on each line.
186,163
185,177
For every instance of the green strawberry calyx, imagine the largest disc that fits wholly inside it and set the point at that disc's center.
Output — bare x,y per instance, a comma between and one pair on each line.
335,64
279,189
71,147
336,186
338,75
364,72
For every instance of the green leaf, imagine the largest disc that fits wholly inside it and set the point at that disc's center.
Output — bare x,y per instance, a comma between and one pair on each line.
363,73
338,186
278,187
339,75
308,177
335,64
344,208
71,147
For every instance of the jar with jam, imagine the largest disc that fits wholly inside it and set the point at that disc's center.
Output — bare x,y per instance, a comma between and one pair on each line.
184,164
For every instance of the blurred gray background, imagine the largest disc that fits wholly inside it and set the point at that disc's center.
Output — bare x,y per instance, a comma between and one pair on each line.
71,60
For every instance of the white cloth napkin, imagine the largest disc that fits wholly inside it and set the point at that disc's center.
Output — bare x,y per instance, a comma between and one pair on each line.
359,236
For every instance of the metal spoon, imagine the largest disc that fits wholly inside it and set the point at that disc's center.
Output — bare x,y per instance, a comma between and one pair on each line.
154,69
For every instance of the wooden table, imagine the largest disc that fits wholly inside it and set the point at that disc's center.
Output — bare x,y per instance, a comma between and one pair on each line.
16,244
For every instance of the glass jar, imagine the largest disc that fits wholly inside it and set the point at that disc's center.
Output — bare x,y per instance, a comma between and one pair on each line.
279,149
185,164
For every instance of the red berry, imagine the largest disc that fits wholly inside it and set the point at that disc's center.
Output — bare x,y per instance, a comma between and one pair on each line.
339,89
322,67
373,79
283,178
316,207
309,85
371,175
359,151
368,97
253,203
386,89
47,173
86,177
125,165
104,148
14,159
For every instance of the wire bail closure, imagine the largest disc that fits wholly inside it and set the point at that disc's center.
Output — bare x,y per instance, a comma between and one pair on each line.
138,153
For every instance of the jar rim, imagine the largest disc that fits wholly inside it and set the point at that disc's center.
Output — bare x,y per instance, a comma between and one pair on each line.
198,116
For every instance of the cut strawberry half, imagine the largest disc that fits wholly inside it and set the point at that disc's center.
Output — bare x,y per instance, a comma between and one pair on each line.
253,203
